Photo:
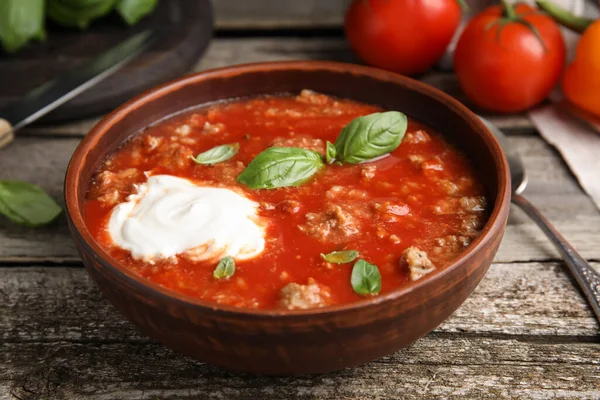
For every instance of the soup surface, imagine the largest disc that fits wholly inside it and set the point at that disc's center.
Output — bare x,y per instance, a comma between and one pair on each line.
174,221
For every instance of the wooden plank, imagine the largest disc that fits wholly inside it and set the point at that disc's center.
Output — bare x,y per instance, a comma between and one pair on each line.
224,52
435,367
41,304
270,14
552,188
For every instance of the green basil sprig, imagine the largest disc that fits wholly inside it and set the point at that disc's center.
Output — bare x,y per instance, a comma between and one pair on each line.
134,10
365,278
370,136
330,153
340,257
217,154
279,167
20,22
225,268
27,204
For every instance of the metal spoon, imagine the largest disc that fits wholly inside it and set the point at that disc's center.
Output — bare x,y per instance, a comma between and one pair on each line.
587,278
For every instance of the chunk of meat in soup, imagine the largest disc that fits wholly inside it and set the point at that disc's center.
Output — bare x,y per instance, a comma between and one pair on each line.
302,297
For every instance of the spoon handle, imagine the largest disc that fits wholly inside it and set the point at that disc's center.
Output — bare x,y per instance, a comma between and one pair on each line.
587,278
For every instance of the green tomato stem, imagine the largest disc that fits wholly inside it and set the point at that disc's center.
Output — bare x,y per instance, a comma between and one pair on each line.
564,17
509,10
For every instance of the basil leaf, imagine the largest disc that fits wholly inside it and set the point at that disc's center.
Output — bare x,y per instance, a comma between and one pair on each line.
365,278
27,204
340,257
330,153
79,13
370,136
20,22
280,167
217,154
134,10
225,268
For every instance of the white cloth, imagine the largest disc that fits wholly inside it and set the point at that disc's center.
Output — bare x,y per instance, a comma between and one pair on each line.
578,143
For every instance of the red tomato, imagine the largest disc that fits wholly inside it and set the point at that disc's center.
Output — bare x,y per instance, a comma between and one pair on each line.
405,36
507,68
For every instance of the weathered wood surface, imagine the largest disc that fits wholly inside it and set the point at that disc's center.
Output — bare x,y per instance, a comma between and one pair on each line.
525,333
265,14
515,299
433,368
60,339
224,52
43,160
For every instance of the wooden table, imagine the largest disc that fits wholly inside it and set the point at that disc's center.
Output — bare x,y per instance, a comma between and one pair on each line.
525,333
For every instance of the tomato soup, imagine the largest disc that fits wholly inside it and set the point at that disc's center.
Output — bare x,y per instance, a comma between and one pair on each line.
290,202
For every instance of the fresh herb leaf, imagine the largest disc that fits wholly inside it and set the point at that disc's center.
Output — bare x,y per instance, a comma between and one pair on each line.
340,257
134,10
20,22
365,278
225,268
217,154
279,167
330,153
370,136
27,204
78,13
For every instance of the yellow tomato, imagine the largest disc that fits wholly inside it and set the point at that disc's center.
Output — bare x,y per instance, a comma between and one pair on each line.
581,81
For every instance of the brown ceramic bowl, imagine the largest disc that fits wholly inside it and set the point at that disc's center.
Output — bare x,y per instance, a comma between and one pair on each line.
279,341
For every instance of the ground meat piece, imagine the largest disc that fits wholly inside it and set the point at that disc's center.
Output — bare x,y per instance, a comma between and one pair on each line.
389,212
472,224
460,205
416,137
212,128
113,187
334,224
227,171
289,206
448,186
367,172
174,155
416,160
473,204
152,142
302,297
302,142
448,247
341,193
282,112
183,130
310,97
418,263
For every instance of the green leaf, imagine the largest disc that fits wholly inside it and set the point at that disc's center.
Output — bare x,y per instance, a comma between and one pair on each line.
340,257
365,278
217,154
78,13
134,10
20,22
330,153
225,268
27,204
280,167
370,136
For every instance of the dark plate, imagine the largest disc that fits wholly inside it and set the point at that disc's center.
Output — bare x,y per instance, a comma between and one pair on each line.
188,25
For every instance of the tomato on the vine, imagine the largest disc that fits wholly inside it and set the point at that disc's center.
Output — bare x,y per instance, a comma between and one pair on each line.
508,58
404,36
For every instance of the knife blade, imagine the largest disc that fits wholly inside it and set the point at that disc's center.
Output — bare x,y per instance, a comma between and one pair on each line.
50,95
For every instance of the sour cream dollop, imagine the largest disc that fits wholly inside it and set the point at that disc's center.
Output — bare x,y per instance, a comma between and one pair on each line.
170,216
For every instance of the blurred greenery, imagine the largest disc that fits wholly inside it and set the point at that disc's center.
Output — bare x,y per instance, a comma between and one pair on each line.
23,20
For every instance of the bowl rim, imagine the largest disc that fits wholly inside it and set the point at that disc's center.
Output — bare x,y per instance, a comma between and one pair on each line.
74,213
